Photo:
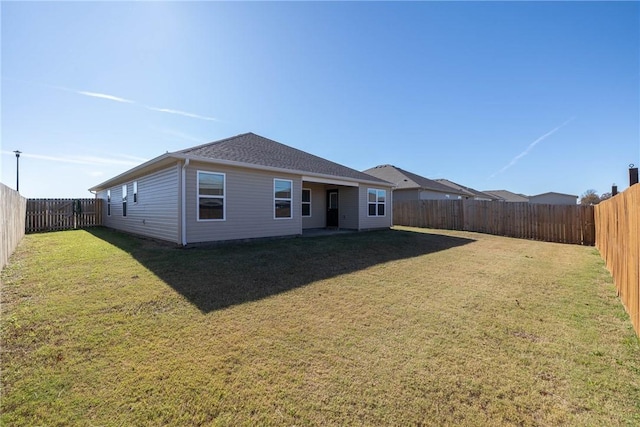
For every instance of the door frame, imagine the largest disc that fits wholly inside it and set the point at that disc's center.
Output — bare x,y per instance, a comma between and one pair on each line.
330,192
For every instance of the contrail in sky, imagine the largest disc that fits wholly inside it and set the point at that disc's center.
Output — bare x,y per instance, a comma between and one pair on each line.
79,160
530,147
148,107
123,100
104,96
181,113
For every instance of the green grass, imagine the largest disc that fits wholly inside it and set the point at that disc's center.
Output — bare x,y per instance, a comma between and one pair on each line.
400,327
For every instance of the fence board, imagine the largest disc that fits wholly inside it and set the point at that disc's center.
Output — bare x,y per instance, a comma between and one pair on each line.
12,212
62,214
550,223
617,228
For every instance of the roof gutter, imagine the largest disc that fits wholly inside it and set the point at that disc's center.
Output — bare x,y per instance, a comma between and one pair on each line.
183,203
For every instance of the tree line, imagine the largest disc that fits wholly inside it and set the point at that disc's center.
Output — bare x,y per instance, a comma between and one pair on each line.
590,197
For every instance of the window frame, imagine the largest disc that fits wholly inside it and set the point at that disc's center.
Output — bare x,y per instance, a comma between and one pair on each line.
209,196
124,200
108,202
302,203
135,192
377,203
276,199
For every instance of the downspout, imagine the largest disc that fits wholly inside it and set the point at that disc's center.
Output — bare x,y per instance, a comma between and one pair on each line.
184,203
391,200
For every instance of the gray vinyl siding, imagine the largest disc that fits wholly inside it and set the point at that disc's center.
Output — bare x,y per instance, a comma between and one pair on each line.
436,195
554,199
156,212
249,205
415,194
318,218
405,195
370,222
348,208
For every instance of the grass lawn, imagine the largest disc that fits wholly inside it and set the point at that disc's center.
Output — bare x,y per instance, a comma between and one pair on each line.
399,327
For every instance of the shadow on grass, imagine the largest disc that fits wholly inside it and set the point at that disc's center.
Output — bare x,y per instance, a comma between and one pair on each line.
228,274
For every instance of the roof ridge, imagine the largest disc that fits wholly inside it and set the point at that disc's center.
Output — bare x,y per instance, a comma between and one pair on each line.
195,147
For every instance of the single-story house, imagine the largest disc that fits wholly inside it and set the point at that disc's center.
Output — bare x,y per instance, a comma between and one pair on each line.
411,186
507,196
242,187
553,198
474,194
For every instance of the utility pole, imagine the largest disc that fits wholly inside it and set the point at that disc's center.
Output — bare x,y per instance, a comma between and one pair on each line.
17,170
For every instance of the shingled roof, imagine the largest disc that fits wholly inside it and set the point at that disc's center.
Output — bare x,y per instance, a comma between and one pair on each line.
507,196
257,150
471,191
250,150
404,180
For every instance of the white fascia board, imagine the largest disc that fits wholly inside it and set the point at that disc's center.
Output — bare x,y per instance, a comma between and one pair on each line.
136,171
329,181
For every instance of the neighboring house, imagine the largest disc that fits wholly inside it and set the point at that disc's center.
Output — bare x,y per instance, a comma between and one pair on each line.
242,187
553,198
409,186
474,194
507,196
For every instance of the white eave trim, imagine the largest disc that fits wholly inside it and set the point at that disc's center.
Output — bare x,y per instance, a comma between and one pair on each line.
307,178
134,172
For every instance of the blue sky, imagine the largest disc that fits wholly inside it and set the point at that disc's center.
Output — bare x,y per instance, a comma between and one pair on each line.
529,97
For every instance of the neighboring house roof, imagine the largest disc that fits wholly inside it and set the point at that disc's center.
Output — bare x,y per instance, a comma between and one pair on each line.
472,192
507,196
405,180
251,150
553,193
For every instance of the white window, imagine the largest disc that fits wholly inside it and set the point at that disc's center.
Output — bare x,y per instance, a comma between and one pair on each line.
211,196
135,191
377,201
306,202
282,197
108,202
124,200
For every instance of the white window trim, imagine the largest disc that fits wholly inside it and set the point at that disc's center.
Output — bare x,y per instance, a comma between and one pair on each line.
108,202
377,202
282,198
135,192
223,197
302,202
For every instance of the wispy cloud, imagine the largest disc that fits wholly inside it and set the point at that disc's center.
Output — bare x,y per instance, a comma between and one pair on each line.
79,160
530,147
181,113
126,101
148,107
104,96
180,135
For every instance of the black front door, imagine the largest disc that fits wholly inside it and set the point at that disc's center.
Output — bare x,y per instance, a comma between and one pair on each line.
332,208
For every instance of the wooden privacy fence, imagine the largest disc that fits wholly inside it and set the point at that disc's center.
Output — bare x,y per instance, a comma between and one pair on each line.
12,213
62,214
618,240
550,223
